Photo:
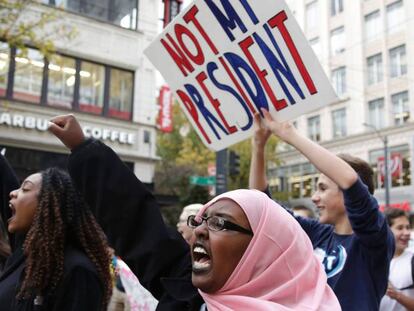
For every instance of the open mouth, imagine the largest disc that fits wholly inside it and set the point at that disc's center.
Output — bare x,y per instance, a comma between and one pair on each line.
13,211
201,259
321,209
404,241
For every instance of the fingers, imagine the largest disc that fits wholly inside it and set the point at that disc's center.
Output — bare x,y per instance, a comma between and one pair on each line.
268,117
58,124
55,129
62,120
68,130
257,120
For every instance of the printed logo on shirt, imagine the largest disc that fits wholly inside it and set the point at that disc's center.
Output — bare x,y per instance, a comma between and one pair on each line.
334,261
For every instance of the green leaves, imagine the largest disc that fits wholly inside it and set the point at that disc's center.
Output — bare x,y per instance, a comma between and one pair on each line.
25,22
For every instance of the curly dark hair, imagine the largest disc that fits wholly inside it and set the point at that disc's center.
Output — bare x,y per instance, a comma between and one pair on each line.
62,217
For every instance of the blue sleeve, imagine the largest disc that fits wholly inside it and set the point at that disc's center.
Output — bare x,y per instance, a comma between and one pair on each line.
367,222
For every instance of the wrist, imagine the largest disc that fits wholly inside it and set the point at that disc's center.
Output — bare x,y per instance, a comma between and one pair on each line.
398,296
291,138
258,148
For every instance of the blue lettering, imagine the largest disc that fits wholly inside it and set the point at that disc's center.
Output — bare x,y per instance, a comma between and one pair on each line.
211,67
210,118
240,64
231,19
277,67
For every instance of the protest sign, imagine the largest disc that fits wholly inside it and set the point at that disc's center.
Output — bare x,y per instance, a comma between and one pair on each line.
224,60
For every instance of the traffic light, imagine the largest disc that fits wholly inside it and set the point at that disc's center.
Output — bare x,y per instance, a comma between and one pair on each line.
234,163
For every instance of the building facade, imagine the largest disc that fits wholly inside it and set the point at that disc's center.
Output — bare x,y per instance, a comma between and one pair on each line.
363,47
101,76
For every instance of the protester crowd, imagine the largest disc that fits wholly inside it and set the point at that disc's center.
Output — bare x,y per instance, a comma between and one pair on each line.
94,239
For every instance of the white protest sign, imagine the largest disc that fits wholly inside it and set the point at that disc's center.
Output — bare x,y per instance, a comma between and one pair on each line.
226,59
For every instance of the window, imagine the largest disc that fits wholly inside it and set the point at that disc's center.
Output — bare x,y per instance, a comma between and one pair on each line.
373,26
67,82
91,91
398,61
61,82
28,76
118,12
293,181
337,6
147,137
337,40
316,46
314,128
309,180
339,81
374,67
399,166
376,113
4,67
400,108
312,18
339,123
120,95
395,17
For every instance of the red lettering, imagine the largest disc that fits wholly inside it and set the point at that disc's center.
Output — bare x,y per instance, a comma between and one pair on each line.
201,77
193,112
178,56
236,83
244,45
278,21
190,16
181,31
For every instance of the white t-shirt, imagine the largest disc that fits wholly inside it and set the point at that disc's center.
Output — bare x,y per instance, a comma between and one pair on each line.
400,277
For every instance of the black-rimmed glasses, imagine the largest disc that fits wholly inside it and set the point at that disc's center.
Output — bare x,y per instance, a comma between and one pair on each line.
216,223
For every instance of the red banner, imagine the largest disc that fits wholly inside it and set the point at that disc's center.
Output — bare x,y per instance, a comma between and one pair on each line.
394,166
165,122
171,10
405,206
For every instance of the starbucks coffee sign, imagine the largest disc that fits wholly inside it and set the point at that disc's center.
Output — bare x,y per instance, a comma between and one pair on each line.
42,124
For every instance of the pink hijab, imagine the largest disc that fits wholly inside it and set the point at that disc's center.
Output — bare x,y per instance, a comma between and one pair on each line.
278,271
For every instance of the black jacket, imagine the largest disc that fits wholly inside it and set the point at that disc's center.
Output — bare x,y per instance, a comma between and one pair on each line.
130,217
80,288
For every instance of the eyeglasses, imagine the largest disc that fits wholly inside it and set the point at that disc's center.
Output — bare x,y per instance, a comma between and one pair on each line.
216,223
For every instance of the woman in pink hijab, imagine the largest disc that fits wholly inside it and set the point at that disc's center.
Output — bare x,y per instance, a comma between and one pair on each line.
250,254
247,252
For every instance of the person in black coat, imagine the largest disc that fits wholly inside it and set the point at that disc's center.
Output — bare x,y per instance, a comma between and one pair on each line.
60,259
242,240
130,217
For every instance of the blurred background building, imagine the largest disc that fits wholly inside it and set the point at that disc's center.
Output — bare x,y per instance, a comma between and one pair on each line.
101,76
364,48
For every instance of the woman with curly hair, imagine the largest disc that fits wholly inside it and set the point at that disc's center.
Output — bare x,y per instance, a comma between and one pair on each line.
60,258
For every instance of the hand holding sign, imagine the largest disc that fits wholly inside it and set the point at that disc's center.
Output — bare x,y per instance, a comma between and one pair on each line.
261,132
283,130
225,61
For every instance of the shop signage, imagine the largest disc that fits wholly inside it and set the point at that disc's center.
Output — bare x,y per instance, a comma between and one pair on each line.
203,180
394,167
405,206
41,124
165,121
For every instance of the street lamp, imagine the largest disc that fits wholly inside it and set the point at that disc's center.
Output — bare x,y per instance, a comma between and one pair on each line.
384,140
